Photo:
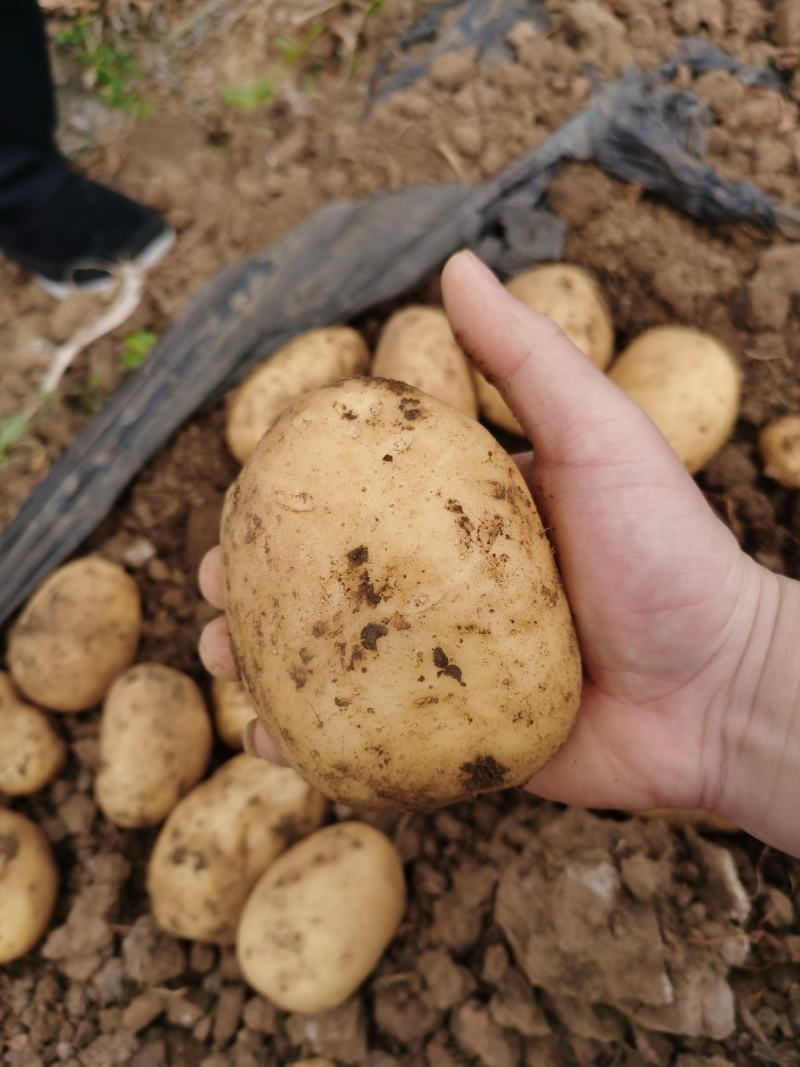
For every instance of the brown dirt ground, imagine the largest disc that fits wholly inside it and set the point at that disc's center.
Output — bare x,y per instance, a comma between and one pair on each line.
106,987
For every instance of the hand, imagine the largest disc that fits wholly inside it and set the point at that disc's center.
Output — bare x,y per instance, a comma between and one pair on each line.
665,603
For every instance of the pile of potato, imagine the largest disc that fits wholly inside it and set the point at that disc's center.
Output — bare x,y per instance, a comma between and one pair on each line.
419,646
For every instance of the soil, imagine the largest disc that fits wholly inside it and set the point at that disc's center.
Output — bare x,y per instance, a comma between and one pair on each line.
476,973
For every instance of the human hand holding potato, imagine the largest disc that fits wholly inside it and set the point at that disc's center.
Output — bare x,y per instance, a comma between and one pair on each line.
678,628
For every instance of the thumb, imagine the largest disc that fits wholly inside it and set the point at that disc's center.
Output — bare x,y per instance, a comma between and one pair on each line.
570,411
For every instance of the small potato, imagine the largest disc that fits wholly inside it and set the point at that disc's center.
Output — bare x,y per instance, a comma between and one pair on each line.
417,346
688,383
705,820
220,838
493,408
393,601
779,445
31,751
307,362
233,710
320,917
75,635
155,740
28,884
571,297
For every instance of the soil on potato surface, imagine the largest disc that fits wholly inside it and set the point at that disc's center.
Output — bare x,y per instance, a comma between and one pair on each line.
455,988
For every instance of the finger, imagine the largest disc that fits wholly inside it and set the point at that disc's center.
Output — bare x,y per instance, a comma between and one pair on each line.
211,578
257,742
215,650
570,411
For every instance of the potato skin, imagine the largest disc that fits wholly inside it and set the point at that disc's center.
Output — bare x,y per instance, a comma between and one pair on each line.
233,710
417,346
571,297
75,635
320,917
779,445
220,838
309,361
688,383
32,753
393,601
493,408
28,884
155,741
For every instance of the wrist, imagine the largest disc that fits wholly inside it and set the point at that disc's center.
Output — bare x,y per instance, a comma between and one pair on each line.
758,784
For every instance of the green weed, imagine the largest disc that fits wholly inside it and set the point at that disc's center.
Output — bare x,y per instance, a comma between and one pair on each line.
11,429
136,348
87,396
249,97
114,72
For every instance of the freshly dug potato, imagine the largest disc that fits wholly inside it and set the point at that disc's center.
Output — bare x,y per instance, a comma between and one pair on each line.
155,740
320,917
417,346
78,632
220,838
688,383
493,407
705,820
307,362
393,601
28,884
233,710
571,297
779,445
31,751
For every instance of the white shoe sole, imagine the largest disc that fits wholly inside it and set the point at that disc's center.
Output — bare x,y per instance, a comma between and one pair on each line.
148,258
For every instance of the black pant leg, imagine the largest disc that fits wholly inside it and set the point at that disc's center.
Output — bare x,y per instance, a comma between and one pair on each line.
27,104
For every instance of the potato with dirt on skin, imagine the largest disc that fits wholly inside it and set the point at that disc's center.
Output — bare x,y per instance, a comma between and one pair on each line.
75,635
233,711
319,919
155,742
220,838
393,601
779,445
28,884
571,297
417,346
688,383
32,753
307,362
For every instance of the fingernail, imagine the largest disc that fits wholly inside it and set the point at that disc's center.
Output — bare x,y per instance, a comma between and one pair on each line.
249,738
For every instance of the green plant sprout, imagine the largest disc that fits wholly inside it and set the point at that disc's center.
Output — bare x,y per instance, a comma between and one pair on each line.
137,348
87,396
114,70
249,97
11,429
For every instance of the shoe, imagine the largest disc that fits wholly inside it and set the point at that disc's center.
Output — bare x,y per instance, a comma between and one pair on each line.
81,232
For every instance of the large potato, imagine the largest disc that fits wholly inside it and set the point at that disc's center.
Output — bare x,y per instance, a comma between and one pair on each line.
220,838
78,632
28,884
233,710
417,346
307,362
320,917
688,383
393,601
155,740
569,296
779,445
31,751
